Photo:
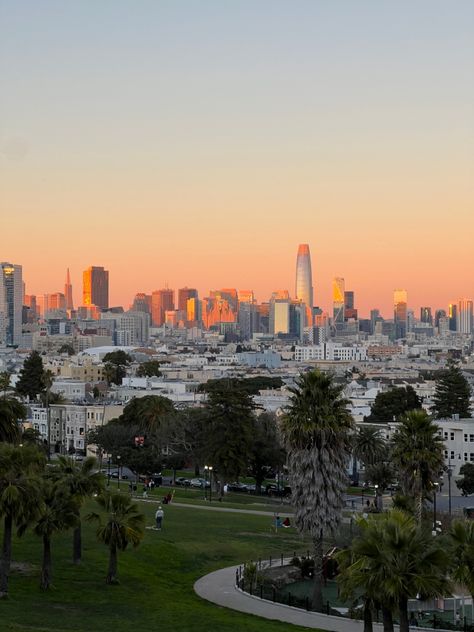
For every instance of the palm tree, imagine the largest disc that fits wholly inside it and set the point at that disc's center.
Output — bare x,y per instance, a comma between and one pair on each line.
395,559
59,513
316,430
19,502
380,475
81,480
120,524
462,550
417,453
11,410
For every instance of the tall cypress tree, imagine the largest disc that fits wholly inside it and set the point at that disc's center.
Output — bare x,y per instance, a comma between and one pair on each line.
31,381
452,394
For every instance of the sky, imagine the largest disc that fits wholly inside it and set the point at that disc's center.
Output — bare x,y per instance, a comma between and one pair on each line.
199,142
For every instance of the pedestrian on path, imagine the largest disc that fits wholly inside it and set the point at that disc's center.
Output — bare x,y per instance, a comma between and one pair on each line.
159,515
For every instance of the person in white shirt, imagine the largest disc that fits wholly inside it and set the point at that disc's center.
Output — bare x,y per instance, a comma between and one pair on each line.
159,517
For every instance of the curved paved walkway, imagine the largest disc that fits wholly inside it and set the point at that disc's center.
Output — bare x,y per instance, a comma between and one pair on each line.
219,588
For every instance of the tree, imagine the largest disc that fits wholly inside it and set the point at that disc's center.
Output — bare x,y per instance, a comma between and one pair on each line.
317,429
252,385
19,501
116,363
395,559
5,378
466,483
151,368
151,414
81,481
452,394
368,446
417,454
462,553
66,348
11,411
31,380
390,405
381,475
227,433
59,513
266,452
120,523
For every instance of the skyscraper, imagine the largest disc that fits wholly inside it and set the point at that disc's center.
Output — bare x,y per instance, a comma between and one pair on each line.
425,315
95,287
68,291
184,294
400,313
453,316
465,316
11,303
161,301
304,280
338,291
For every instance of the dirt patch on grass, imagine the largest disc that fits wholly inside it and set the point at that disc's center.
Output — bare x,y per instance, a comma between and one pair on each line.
23,568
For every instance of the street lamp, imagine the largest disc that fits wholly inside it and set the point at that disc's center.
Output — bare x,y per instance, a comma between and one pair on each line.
118,472
108,471
377,497
210,483
206,470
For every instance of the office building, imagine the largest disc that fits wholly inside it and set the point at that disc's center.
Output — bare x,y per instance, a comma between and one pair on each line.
400,313
453,317
184,294
68,291
304,281
161,302
11,303
465,315
425,315
338,291
95,289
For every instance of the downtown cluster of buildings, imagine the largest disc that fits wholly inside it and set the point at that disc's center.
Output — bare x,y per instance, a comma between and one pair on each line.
225,334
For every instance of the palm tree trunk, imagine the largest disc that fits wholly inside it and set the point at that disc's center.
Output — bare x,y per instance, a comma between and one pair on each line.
403,613
112,574
368,616
5,561
77,544
419,506
46,567
387,620
318,573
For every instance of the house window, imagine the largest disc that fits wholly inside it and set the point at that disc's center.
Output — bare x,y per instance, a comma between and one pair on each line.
81,431
471,438
452,435
445,435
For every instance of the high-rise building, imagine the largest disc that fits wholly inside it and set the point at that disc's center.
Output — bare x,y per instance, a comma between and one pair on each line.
304,281
465,316
338,291
11,303
141,303
400,313
439,314
425,315
184,294
161,302
193,311
95,288
453,316
57,302
68,291
350,312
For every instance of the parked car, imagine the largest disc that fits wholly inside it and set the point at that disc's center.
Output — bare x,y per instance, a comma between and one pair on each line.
157,478
237,487
273,490
182,481
199,482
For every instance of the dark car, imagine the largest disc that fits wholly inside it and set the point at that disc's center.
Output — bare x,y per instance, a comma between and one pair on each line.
182,481
272,489
237,487
157,479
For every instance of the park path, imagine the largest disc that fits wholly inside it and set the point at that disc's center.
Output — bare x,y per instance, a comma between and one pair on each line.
254,512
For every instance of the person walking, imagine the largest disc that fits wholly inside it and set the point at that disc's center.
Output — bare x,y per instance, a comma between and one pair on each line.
159,517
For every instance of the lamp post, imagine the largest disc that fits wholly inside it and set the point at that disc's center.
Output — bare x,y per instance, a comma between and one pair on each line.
377,497
210,481
118,472
206,470
108,471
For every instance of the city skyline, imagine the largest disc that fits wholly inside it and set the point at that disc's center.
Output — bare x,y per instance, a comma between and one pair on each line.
162,148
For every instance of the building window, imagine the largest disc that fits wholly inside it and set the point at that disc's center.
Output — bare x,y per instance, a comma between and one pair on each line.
451,435
465,437
81,431
471,438
445,435
465,456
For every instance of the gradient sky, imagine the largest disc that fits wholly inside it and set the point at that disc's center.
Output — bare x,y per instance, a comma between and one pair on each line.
198,142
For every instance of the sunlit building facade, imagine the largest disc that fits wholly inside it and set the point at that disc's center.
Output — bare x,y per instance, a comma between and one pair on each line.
400,313
465,316
161,302
95,287
338,301
304,280
11,303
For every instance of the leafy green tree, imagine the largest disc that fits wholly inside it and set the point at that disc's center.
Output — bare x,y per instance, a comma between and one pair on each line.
462,553
452,395
266,452
151,414
417,454
115,366
80,480
228,429
120,523
151,368
19,502
11,411
113,438
390,405
380,474
466,483
251,385
66,348
317,430
5,377
394,560
59,513
31,381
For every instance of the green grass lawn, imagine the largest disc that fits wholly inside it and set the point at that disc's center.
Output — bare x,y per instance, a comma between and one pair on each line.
156,589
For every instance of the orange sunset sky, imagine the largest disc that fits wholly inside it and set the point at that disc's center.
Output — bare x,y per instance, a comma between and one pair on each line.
198,143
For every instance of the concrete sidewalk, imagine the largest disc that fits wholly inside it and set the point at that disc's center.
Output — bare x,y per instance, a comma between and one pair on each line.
219,588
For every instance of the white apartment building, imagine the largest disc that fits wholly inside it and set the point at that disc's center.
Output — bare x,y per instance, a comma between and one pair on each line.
333,351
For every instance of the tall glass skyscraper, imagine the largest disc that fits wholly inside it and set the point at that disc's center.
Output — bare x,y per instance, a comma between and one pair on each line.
11,303
304,280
